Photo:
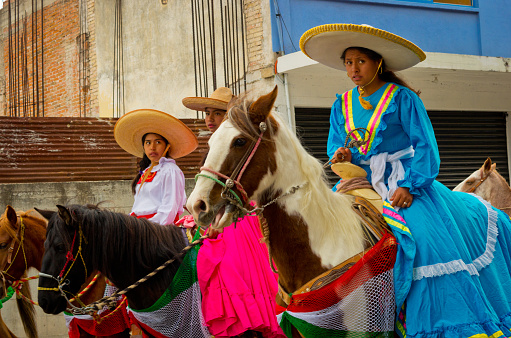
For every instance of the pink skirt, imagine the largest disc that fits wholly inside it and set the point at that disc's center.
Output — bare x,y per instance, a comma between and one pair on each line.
237,284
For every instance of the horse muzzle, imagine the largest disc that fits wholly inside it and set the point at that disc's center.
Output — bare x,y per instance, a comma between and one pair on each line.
51,302
219,215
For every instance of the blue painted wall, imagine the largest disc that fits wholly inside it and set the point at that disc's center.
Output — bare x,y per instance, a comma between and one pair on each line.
483,29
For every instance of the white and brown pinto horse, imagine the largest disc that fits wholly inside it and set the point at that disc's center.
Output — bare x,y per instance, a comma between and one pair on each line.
490,185
310,229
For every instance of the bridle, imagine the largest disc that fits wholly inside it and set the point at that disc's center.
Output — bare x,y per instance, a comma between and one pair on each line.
230,182
483,178
19,237
61,278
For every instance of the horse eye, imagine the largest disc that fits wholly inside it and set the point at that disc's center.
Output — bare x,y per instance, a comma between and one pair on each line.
3,246
60,248
240,142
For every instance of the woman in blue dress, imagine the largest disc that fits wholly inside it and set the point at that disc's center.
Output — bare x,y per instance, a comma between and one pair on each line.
453,269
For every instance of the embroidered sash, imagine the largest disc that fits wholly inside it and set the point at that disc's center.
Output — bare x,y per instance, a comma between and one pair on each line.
374,122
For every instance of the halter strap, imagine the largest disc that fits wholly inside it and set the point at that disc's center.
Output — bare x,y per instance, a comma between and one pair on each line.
61,279
20,236
230,181
483,178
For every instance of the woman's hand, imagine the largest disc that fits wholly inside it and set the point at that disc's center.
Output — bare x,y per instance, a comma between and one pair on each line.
402,198
342,155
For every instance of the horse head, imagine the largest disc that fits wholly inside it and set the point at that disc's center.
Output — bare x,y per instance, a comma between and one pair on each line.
227,182
63,269
481,181
487,183
22,236
8,237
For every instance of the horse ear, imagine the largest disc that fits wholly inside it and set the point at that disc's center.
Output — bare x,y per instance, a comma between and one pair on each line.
260,109
65,214
11,216
45,213
487,166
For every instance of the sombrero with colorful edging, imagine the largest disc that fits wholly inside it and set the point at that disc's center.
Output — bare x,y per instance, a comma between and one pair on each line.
132,126
326,44
218,100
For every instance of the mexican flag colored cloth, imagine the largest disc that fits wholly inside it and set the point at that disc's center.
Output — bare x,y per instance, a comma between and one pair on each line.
178,312
108,323
360,303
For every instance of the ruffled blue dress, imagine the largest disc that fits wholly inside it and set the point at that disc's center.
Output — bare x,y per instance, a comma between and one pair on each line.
453,268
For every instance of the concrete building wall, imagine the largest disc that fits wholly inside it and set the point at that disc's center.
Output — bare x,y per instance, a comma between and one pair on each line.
157,55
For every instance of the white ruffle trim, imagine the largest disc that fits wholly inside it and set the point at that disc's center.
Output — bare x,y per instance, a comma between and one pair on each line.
440,269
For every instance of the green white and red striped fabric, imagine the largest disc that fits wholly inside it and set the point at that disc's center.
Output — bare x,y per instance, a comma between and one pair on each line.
360,303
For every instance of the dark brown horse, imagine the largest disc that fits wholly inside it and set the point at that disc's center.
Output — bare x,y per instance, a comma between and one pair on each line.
21,247
124,249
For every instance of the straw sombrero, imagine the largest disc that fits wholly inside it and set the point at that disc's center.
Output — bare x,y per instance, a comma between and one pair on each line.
326,43
130,128
217,100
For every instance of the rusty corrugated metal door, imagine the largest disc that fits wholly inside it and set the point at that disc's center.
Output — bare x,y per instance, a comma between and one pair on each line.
465,140
47,149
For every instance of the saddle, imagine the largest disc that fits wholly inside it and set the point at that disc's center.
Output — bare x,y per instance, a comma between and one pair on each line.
374,227
348,171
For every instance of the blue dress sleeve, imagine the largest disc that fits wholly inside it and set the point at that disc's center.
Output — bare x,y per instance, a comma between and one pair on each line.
337,133
415,122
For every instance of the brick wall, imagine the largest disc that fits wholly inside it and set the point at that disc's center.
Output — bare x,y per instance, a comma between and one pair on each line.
260,55
61,28
61,62
254,23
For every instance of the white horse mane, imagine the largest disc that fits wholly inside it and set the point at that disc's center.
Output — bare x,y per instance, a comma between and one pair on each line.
334,228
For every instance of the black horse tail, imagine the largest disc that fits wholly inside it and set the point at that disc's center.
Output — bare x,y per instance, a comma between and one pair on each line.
27,312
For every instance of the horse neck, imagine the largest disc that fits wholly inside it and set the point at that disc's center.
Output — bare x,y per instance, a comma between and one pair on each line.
123,269
314,223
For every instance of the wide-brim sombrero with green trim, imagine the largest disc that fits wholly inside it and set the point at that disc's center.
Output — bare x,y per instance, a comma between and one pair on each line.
130,128
219,99
326,44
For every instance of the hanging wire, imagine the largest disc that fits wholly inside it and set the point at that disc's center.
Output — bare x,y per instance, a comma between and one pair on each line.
118,76
83,67
25,57
231,37
281,21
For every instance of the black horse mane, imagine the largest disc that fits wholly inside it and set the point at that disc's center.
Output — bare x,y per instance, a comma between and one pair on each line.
138,245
